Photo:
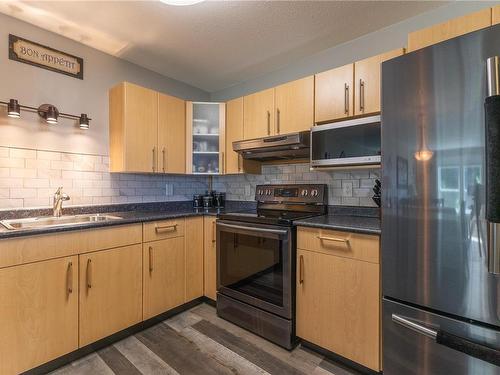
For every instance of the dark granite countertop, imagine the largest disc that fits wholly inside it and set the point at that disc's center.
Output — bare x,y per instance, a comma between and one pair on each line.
358,224
136,214
349,219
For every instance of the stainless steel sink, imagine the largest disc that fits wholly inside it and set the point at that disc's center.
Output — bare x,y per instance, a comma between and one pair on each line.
49,221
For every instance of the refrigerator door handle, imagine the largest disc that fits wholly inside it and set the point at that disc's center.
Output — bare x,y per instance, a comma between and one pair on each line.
492,116
452,341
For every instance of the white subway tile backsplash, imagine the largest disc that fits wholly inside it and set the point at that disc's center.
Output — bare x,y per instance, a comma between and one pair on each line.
11,163
48,155
29,178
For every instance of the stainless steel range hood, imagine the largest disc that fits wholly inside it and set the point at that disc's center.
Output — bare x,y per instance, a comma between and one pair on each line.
279,147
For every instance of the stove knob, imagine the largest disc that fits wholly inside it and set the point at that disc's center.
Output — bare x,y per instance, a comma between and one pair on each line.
268,191
314,193
304,193
259,192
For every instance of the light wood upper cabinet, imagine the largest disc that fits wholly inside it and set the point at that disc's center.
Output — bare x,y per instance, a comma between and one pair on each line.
210,261
338,305
234,132
449,29
171,134
295,106
194,257
367,78
258,116
38,313
334,97
164,275
133,122
110,292
495,15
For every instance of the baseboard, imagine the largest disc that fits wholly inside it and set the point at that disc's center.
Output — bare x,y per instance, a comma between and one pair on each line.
338,358
86,350
208,301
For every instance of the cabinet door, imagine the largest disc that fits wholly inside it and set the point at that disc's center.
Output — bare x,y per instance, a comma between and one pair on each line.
210,258
334,94
295,106
495,15
110,292
449,29
367,80
194,257
171,134
258,116
234,132
38,313
338,306
133,128
164,275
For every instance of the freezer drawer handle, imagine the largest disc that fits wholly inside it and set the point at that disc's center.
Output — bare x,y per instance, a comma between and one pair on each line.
452,341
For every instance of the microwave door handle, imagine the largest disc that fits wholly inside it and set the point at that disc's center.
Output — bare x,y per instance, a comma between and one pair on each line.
256,230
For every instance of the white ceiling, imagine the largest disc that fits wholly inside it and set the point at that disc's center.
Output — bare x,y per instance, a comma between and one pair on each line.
214,44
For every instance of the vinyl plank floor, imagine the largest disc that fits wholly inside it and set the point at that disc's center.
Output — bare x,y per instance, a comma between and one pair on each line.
196,342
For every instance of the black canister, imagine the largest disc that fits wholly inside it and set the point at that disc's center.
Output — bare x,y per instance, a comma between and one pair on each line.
207,201
197,201
219,199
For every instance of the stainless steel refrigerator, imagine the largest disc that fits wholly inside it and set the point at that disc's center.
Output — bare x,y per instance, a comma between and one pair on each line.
440,203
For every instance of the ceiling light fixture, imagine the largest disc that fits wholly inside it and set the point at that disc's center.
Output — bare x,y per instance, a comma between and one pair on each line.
181,2
49,112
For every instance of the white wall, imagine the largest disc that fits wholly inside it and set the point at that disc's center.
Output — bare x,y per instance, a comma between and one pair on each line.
34,86
391,37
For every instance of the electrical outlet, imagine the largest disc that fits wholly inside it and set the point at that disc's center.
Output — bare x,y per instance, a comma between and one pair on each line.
169,190
347,189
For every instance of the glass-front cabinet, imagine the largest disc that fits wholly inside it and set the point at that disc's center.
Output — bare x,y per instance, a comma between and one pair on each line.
205,137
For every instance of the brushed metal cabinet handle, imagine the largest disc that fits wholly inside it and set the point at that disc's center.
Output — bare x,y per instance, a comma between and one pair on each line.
278,113
223,169
172,227
213,232
268,123
151,259
69,275
346,98
301,269
361,95
89,273
334,239
153,158
164,161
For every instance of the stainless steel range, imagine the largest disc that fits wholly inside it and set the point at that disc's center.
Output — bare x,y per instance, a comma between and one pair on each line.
256,260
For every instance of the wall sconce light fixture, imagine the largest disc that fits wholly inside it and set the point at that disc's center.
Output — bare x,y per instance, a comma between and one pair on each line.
48,112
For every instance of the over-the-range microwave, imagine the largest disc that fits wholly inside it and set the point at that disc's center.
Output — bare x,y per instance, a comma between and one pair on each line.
345,143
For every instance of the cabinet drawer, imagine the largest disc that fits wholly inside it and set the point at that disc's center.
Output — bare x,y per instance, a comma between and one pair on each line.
30,249
159,230
345,244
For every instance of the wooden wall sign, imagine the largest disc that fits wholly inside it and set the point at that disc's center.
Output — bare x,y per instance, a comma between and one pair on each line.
32,53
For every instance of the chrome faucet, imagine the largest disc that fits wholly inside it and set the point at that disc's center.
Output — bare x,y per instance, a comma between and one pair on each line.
58,199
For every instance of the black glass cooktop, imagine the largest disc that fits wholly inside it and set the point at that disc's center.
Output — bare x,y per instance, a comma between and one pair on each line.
276,217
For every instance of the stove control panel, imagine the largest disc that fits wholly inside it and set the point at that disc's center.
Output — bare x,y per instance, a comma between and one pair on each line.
300,193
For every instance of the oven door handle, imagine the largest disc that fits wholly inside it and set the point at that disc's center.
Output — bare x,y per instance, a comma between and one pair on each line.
257,230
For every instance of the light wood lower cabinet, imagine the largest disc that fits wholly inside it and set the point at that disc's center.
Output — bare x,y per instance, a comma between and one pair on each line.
210,257
163,275
338,305
194,257
110,292
38,313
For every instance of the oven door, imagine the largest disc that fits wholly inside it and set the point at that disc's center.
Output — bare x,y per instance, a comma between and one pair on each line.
254,265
